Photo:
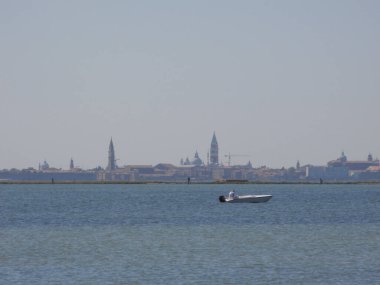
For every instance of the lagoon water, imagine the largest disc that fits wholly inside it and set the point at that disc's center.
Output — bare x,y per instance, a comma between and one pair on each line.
181,234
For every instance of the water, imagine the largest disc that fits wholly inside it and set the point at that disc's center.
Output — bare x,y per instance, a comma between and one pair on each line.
181,234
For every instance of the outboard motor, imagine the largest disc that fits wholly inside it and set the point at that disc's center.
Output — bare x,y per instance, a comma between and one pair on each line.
222,199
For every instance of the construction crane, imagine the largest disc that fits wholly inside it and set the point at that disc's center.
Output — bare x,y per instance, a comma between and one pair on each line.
229,156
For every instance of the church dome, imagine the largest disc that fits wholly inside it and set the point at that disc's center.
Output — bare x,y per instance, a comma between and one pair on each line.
197,161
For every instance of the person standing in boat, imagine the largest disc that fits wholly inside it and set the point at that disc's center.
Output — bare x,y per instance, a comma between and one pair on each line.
232,194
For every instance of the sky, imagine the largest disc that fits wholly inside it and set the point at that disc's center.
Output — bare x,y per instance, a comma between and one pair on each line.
278,81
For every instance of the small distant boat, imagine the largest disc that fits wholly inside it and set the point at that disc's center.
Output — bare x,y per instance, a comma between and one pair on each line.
246,199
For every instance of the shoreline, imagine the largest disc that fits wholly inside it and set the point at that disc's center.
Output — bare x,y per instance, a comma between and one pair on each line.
195,183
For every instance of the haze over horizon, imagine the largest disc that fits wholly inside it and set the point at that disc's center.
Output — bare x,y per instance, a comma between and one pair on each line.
280,81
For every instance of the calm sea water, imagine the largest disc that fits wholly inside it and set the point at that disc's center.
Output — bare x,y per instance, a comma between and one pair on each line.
181,234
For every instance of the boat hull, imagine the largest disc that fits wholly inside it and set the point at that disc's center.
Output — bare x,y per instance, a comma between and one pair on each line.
247,199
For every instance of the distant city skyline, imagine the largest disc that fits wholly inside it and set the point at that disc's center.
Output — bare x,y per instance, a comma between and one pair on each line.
280,81
195,169
212,158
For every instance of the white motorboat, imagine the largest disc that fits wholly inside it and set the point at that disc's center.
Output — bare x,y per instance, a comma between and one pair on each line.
246,199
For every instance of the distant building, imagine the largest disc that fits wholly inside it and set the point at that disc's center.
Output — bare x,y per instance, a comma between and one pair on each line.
353,164
342,169
370,174
337,173
111,157
217,173
214,151
31,174
197,161
43,166
71,164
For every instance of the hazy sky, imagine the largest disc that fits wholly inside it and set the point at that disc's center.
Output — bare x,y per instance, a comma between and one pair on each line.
276,80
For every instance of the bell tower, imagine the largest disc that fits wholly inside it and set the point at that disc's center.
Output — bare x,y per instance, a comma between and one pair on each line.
111,157
214,151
